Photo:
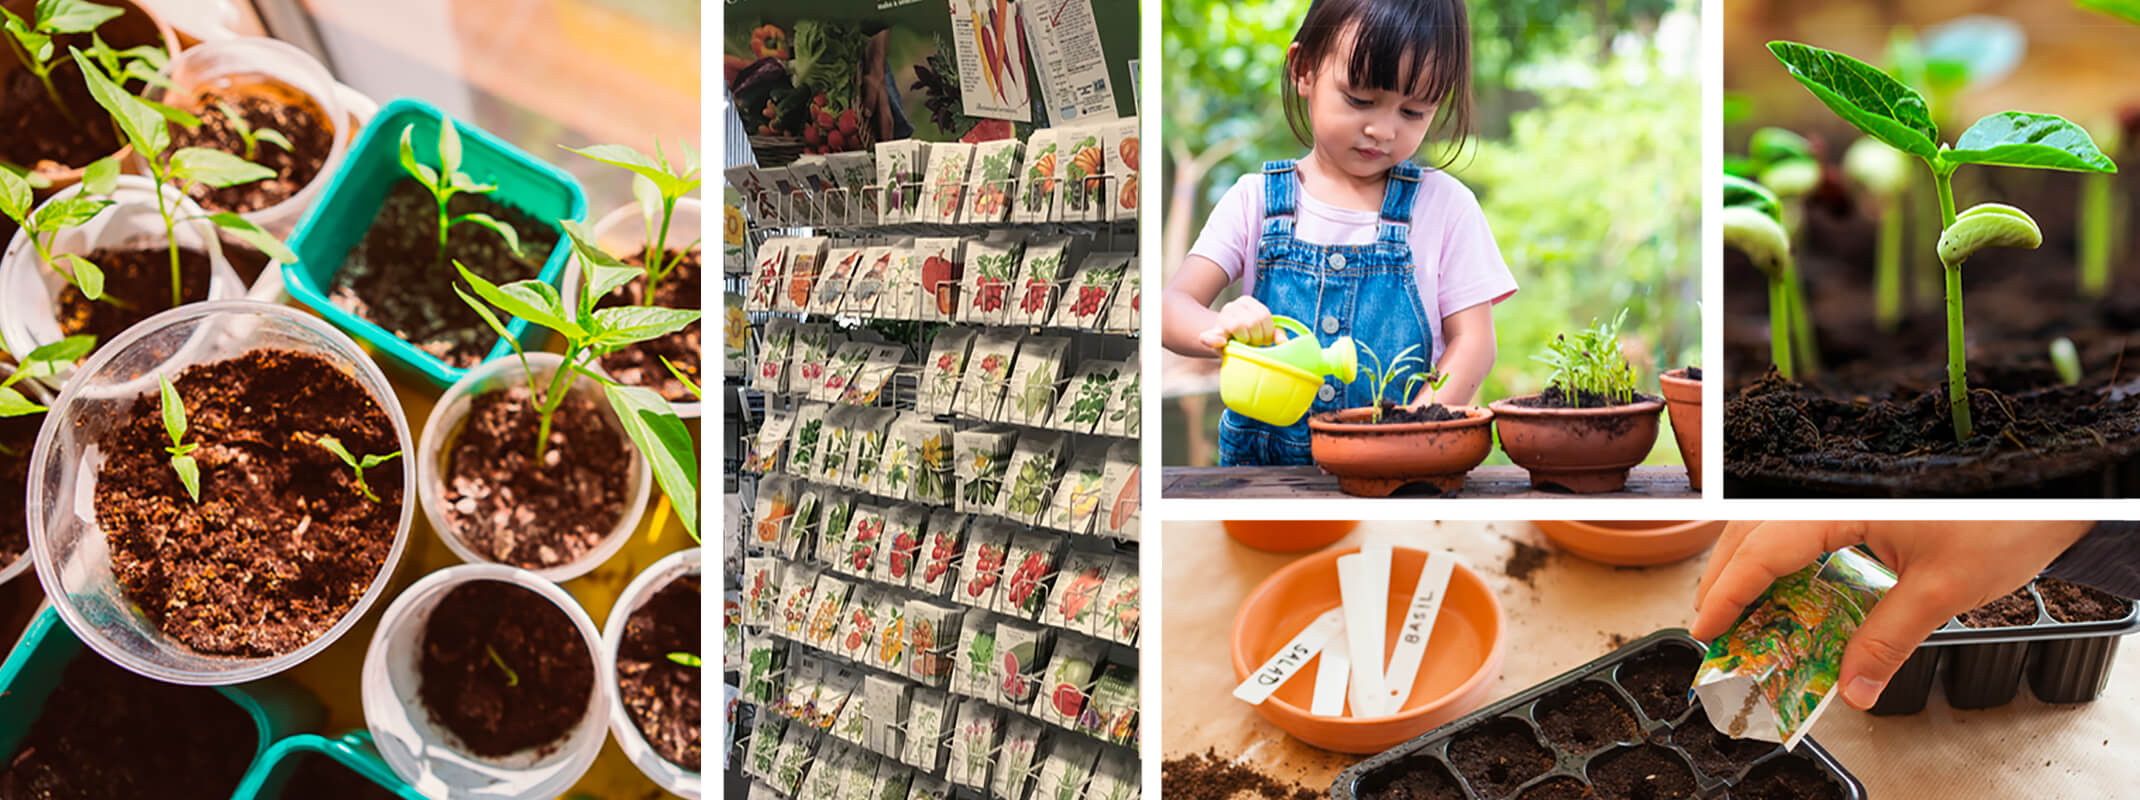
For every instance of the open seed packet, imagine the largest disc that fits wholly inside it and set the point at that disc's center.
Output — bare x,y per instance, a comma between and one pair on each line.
1123,312
806,261
940,375
841,369
825,613
1016,761
988,371
871,427
948,164
1082,163
935,480
933,638
872,278
842,264
1112,779
1774,671
771,374
903,530
1040,280
982,461
939,568
1076,601
973,746
762,759
772,511
974,674
941,264
798,598
865,534
1068,680
1111,710
992,180
889,651
901,169
1037,185
1077,499
1032,477
1126,414
981,569
879,364
991,271
927,716
809,438
1119,604
1120,138
772,442
1086,296
814,345
1027,573
855,171
1029,398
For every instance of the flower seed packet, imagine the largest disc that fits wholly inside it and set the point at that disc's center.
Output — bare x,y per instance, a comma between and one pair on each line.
814,345
809,438
1077,499
941,261
1033,478
1040,277
974,745
770,267
1027,573
1015,762
903,534
1029,398
822,205
1068,681
902,284
1126,413
1075,603
771,375
1121,143
831,599
1119,615
895,478
926,722
757,194
981,569
806,680
771,513
1068,768
798,744
855,172
797,600
1114,778
865,532
879,364
772,442
948,164
938,572
982,462
1123,314
901,169
842,264
1111,713
988,372
761,590
1021,651
806,261
736,360
940,376
1037,188
1081,166
974,673
1086,296
762,757
933,639
993,179
867,292
841,369
991,270
889,651
935,481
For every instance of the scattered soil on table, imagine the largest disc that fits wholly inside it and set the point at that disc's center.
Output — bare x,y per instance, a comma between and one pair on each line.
1715,754
1499,756
1561,788
1659,681
1616,641
661,695
281,544
640,364
2072,602
1205,776
141,279
494,713
392,276
515,510
1416,778
1787,778
305,126
1394,414
1525,560
38,134
18,435
321,777
1585,717
108,733
1642,773
2014,609
1556,397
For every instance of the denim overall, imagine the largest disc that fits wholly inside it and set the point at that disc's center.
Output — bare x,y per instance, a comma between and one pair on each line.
1363,291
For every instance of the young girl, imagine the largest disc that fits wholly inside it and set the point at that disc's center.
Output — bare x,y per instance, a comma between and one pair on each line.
1353,240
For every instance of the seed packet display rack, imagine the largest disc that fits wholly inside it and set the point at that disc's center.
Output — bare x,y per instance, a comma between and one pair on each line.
1035,691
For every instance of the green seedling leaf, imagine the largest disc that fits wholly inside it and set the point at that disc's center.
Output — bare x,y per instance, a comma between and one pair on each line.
421,172
1771,145
1987,225
274,137
622,325
101,177
504,231
449,146
531,300
174,411
511,678
687,660
2024,139
694,387
144,128
87,276
13,404
73,16
1793,178
665,442
1972,50
24,174
334,445
1759,236
189,473
215,167
2128,10
60,214
463,182
617,155
2067,360
63,351
1742,192
236,119
253,235
1863,96
14,196
174,114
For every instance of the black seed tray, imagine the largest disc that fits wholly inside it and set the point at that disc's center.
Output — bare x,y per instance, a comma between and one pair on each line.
2065,662
1533,765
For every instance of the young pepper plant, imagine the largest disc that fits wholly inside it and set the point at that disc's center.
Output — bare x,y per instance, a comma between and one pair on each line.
35,40
43,223
448,180
250,135
174,425
42,359
657,185
1892,112
334,445
590,333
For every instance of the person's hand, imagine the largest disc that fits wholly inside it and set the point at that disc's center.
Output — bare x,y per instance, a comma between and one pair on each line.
1942,569
1243,319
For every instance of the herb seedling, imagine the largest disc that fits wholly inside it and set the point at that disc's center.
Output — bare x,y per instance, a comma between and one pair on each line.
1896,114
1380,376
1750,227
2067,360
174,424
590,333
511,678
146,129
448,180
1590,361
43,223
687,659
64,351
251,136
1885,175
657,185
34,40
334,445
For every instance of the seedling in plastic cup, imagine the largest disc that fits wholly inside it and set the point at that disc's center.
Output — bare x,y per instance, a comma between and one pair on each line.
334,445
511,678
174,424
41,224
250,135
448,180
64,351
687,659
34,40
657,185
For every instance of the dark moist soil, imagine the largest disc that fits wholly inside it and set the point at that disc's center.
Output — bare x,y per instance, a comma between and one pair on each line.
2072,602
1715,754
108,733
321,777
1393,414
1416,778
392,277
469,694
1642,773
506,506
37,134
1524,561
640,364
1693,373
1586,717
2014,609
18,435
1659,680
304,126
1561,788
1205,776
141,281
661,695
1787,778
1499,756
281,544
1556,397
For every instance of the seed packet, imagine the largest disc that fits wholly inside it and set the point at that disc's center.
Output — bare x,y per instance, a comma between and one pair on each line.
865,534
982,462
1111,711
790,196
809,437
902,538
940,376
798,744
772,442
1082,163
1112,779
1123,315
894,780
1037,186
933,639
939,571
870,428
889,652
1086,296
840,369
974,746
854,172
1027,572
757,192
1125,415
762,758
896,478
1119,612
831,707
778,345
879,364
991,270
988,371
849,724
806,260
981,569
861,780
762,659
814,345
842,264
948,164
1074,604
941,262
771,512
834,527
1774,670
736,358
902,284
1121,142
1077,500
761,590
806,679
884,704
1068,768
992,180
934,480
1021,651
801,534
1040,279
765,276
797,599
1068,681
1015,762
901,168
927,715
830,771
820,205
974,674
831,599
1032,477
867,291
929,787
1029,398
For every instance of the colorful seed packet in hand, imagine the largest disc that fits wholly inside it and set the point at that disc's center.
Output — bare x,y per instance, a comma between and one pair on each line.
1774,671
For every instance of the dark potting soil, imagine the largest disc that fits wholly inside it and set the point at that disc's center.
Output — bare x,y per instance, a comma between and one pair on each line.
1693,373
1659,681
305,127
506,505
1586,717
1525,560
1561,788
495,712
321,777
18,435
2014,609
640,364
1787,778
108,733
140,281
661,695
1556,397
392,276
1205,776
281,544
1393,414
1715,754
1413,779
2072,602
37,134
1642,773
1499,756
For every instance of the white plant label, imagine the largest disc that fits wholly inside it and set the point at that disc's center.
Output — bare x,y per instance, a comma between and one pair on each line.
1332,675
1289,660
1364,583
1412,638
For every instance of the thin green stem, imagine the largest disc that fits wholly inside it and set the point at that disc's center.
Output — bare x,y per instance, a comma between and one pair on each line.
1888,308
657,257
445,224
553,397
2095,234
1801,320
170,231
1957,380
1779,323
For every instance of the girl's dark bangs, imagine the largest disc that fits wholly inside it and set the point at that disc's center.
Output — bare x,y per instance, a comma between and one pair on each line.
1404,48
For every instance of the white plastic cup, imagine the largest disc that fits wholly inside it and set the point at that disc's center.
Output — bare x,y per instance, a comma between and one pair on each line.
37,393
428,756
669,775
443,430
29,312
623,232
72,552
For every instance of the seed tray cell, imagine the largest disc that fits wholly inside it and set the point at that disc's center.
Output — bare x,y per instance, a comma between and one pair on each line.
2064,662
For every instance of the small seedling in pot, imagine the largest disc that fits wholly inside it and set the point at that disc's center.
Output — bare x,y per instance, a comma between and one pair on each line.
42,359
43,223
250,135
174,424
34,40
688,660
1750,230
1885,175
657,185
511,678
1380,376
2067,360
1590,361
334,445
448,180
1895,114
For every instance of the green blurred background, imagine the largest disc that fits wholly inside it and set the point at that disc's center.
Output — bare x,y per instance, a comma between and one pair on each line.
1587,164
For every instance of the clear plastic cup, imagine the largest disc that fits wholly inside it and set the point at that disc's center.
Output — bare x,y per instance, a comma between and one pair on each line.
29,314
73,553
443,430
278,71
622,233
669,775
428,756
37,393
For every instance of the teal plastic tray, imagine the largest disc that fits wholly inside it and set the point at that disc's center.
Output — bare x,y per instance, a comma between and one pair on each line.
269,775
335,224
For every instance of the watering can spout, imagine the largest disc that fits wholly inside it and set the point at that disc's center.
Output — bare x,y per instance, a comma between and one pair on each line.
1341,360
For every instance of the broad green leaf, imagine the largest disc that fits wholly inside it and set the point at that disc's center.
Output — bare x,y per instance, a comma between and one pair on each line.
416,170
2024,139
449,146
14,196
87,276
174,115
189,473
174,410
63,351
583,243
617,326
530,300
73,16
334,445
35,180
101,177
376,460
1759,236
462,181
2128,10
1863,96
253,235
1742,192
13,404
504,231
617,155
603,280
144,128
665,442
1987,225
274,137
1770,145
215,167
57,215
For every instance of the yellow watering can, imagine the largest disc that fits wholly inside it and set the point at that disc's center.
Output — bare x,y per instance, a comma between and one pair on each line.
1277,384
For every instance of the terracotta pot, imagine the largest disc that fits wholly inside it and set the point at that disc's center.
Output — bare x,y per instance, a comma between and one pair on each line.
1684,395
1582,450
137,26
1632,543
1462,660
1288,535
1376,460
